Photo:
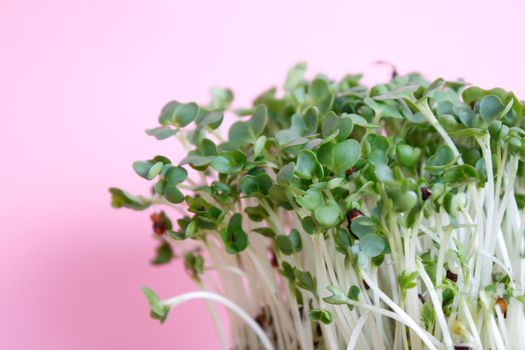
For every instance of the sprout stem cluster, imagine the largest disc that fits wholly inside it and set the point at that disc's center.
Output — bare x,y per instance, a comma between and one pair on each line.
337,216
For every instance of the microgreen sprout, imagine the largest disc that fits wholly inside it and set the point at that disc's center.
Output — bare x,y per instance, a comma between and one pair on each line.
336,216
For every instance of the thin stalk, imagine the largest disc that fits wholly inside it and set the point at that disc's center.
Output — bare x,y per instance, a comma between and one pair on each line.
175,301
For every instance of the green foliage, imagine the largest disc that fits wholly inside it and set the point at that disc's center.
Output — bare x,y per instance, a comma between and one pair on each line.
234,238
158,311
407,280
123,199
163,255
331,169
339,157
323,316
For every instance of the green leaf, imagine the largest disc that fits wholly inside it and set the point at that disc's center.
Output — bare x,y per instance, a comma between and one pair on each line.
295,76
167,186
432,88
229,162
173,194
120,198
329,214
342,241
407,155
175,175
472,94
158,311
265,231
259,120
321,95
333,123
339,157
284,244
289,245
147,169
323,316
363,226
372,245
337,297
194,265
353,293
163,255
178,114
308,224
402,92
460,174
407,281
306,164
443,157
161,132
256,184
360,121
234,237
305,280
490,107
244,132
295,238
259,145
311,200
383,109
256,213
221,98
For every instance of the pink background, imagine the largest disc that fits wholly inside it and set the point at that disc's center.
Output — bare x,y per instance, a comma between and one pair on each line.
81,80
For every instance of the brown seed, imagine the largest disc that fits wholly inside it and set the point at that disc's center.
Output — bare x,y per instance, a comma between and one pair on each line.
159,224
421,297
353,214
452,276
425,193
502,305
273,260
367,287
351,171
461,347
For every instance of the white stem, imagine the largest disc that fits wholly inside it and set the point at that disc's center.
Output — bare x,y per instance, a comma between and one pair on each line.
357,330
175,301
425,336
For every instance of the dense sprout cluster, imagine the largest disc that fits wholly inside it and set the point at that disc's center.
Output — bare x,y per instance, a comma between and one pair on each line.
340,216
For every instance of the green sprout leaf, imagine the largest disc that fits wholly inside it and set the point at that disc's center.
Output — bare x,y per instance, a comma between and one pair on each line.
307,164
229,162
295,76
407,155
161,132
407,280
167,186
158,311
490,107
337,297
323,316
372,245
289,245
339,157
311,200
234,237
178,114
329,214
305,280
147,169
443,157
123,199
256,184
332,123
163,255
194,264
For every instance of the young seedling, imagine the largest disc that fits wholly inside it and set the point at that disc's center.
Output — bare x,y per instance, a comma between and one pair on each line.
389,217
